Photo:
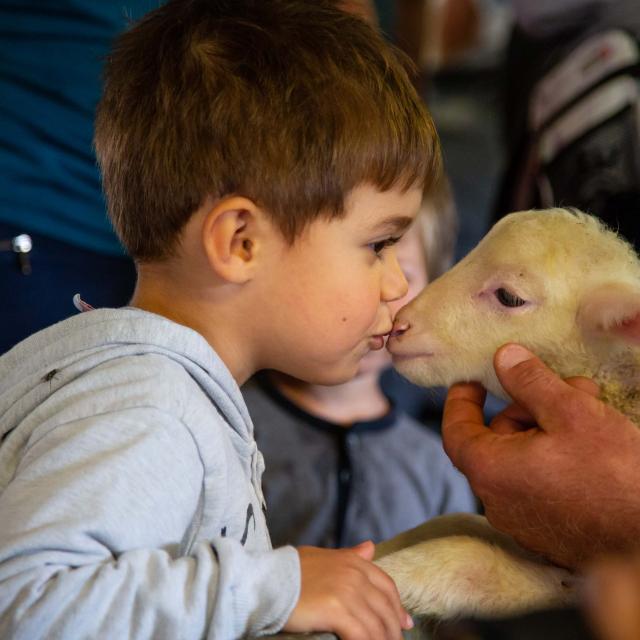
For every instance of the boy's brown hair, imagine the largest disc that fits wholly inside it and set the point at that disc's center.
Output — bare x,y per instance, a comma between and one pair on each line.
290,103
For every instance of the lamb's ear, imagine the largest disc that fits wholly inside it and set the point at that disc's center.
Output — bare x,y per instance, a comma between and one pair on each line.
611,310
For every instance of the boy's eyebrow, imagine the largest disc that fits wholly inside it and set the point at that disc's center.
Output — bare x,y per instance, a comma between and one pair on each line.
394,225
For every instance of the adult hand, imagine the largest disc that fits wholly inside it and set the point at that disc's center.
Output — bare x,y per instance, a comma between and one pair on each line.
558,470
344,592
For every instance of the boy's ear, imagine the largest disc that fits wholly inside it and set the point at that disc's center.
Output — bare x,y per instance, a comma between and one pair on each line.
231,237
611,310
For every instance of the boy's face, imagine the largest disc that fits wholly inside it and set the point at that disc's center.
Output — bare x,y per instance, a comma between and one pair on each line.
327,300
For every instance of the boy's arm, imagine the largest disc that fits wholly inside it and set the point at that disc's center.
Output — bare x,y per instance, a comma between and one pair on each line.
89,544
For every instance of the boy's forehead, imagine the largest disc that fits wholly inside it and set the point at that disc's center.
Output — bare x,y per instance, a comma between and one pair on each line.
391,211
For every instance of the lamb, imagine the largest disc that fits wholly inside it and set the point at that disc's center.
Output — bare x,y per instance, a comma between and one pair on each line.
560,283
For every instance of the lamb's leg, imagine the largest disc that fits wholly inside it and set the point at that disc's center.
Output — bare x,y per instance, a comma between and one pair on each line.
475,571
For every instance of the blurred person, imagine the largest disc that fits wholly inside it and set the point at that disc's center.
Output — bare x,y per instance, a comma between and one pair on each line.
571,94
55,238
613,598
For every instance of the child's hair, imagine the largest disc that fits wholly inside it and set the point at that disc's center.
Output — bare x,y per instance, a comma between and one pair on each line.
291,103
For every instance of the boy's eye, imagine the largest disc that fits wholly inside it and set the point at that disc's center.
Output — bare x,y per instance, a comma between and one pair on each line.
379,246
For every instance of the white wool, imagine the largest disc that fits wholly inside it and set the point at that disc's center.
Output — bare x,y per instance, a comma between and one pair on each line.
459,564
581,284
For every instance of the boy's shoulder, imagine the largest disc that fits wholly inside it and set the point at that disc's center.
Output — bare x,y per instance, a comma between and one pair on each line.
109,361
130,381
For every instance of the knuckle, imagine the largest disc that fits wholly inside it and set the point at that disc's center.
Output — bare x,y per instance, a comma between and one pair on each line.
529,376
577,409
352,629
357,576
335,605
387,582
377,629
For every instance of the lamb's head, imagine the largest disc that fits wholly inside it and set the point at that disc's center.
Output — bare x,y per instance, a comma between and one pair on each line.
556,281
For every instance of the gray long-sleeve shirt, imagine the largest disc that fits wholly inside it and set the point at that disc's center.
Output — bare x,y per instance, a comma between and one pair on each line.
130,498
331,486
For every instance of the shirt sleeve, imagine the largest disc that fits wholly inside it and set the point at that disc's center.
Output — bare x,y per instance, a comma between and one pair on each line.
91,535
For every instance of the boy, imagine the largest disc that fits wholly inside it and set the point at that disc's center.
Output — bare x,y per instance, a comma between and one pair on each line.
257,158
344,463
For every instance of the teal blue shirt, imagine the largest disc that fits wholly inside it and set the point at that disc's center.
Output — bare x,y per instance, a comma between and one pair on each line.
51,57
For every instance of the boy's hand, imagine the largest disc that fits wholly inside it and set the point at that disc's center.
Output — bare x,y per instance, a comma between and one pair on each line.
344,592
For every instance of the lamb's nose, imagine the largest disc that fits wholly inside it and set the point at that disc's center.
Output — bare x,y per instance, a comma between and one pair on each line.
399,327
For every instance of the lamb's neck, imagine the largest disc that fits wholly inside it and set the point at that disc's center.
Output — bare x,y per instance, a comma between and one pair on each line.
620,385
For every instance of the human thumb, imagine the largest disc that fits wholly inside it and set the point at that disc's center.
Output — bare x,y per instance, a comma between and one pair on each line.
530,382
365,549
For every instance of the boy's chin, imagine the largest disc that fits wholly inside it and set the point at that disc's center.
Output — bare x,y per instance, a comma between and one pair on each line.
328,377
374,362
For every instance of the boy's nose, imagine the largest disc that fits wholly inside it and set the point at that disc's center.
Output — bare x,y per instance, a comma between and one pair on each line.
395,285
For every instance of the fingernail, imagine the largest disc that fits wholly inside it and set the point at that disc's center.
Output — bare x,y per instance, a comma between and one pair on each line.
511,355
408,622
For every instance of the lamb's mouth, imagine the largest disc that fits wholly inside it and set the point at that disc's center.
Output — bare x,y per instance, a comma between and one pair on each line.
405,357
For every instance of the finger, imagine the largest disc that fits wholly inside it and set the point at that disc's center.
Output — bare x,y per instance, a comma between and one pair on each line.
382,581
465,403
363,611
503,425
365,550
463,425
587,385
512,419
349,627
532,385
375,608
515,419
378,608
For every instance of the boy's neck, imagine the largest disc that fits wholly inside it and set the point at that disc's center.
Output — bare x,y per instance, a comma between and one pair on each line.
159,291
359,400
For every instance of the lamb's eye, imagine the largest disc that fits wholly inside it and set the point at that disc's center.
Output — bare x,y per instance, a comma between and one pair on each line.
508,299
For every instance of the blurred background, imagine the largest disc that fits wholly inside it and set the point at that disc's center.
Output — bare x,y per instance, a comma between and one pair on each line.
536,104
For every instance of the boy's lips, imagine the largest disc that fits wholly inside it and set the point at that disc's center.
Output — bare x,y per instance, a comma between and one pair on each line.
377,341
